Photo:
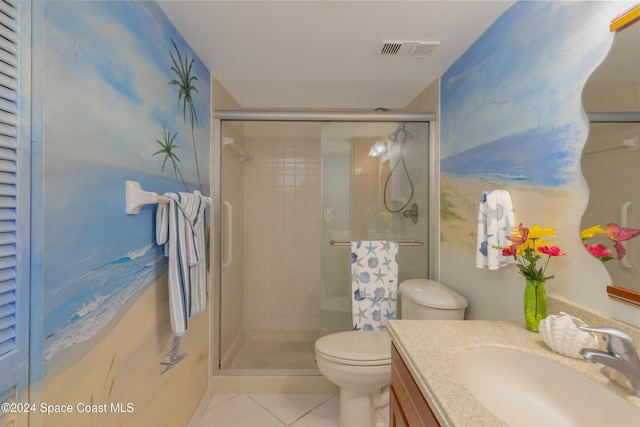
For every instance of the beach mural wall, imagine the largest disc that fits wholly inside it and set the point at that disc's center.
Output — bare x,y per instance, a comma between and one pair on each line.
124,98
512,119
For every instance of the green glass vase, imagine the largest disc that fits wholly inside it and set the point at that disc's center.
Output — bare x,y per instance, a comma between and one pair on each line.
535,304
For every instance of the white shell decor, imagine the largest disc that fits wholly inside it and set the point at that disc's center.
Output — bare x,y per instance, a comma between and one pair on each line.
562,335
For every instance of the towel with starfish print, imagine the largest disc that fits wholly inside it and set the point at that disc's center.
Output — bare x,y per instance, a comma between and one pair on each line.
495,224
374,283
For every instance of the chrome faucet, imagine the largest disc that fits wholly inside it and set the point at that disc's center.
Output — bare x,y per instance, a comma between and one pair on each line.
621,355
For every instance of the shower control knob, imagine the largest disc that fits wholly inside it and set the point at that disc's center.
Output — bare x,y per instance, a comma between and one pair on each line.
412,213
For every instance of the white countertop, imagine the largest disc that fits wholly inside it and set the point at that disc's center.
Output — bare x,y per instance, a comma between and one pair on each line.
430,347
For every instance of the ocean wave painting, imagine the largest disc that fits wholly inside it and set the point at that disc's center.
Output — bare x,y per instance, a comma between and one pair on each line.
114,284
497,161
114,110
511,111
100,260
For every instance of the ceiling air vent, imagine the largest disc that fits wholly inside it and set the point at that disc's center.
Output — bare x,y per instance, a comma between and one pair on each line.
390,48
423,48
407,48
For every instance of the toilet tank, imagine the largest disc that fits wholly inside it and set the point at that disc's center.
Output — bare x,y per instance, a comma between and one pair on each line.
425,299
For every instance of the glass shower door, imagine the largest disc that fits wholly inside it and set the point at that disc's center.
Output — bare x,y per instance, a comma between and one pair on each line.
287,191
374,187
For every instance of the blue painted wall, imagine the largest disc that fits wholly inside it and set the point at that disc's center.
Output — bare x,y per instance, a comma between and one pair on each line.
111,114
512,119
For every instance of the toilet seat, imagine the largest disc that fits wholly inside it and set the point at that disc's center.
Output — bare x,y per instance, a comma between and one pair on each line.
358,348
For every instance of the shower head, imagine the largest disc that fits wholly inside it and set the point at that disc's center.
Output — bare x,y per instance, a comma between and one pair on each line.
401,128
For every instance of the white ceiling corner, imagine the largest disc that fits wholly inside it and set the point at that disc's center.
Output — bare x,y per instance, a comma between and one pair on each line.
326,54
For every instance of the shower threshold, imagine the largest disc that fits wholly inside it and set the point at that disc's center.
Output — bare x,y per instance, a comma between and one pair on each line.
273,352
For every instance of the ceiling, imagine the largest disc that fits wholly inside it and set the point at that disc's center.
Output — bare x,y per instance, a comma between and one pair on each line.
326,54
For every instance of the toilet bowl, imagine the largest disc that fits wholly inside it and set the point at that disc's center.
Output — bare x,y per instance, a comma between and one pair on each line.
359,362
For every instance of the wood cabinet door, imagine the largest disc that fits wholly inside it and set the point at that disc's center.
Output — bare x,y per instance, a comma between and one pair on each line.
411,407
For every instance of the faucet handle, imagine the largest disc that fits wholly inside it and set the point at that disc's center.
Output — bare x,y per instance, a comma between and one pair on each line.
618,342
607,330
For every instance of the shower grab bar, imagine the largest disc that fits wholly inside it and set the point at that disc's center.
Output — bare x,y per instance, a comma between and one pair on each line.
136,198
227,238
401,242
624,219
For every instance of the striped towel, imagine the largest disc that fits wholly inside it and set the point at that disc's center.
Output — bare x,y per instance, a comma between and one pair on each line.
180,228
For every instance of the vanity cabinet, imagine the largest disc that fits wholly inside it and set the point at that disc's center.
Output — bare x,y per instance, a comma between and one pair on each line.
407,405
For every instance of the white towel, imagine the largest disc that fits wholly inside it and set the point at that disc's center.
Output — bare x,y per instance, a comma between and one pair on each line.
495,223
180,228
374,283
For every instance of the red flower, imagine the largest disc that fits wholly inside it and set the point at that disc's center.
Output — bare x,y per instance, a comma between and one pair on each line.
551,251
506,251
599,250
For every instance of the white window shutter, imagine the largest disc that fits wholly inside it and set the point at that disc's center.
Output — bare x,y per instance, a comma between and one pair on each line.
14,217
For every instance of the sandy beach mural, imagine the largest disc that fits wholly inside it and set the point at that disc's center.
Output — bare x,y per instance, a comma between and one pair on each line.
511,110
125,99
512,119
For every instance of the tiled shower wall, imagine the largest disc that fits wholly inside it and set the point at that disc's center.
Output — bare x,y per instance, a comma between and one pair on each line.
282,226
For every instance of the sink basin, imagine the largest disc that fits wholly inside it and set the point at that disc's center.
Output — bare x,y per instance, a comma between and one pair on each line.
526,390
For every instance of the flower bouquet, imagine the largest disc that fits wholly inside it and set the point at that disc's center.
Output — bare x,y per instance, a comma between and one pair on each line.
615,233
530,250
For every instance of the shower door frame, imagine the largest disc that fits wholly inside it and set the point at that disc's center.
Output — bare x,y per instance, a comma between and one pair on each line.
308,116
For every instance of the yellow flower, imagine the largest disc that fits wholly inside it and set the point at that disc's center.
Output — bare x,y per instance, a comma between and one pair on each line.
532,238
537,232
523,248
532,244
588,233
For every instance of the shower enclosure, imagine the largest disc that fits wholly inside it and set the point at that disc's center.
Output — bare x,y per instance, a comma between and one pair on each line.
291,192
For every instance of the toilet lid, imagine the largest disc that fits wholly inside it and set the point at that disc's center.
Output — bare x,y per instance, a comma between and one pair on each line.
364,347
430,293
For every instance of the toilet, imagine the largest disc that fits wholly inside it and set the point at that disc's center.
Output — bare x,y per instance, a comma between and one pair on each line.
359,362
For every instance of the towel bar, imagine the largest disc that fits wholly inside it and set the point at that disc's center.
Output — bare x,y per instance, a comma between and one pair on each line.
136,198
401,242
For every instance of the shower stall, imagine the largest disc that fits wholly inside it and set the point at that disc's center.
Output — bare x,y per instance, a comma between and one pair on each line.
292,190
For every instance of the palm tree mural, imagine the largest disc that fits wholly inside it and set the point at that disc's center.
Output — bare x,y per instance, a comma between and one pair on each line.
184,82
168,149
186,89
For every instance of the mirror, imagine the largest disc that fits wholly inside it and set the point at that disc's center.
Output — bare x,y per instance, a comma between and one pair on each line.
611,156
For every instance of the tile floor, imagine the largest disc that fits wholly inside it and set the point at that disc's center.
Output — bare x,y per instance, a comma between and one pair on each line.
272,410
